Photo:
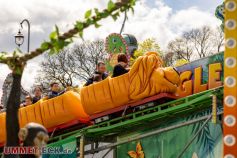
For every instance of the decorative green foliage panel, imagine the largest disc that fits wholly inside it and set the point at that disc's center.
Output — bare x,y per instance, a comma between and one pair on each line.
208,143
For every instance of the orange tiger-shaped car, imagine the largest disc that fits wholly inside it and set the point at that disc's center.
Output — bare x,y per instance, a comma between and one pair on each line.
146,78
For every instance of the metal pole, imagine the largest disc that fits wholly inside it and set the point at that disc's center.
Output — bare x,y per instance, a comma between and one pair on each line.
149,134
107,152
125,18
214,109
196,134
82,146
28,23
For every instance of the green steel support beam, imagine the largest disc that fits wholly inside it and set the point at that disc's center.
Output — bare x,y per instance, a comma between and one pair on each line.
158,131
191,103
174,108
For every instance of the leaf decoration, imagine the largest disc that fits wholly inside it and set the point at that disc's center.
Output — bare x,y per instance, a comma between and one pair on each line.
132,154
138,153
111,5
88,14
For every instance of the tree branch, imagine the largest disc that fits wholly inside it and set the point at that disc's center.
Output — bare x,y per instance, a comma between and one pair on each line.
67,35
78,28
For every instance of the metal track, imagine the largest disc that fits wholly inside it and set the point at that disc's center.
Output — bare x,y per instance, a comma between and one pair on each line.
171,109
157,113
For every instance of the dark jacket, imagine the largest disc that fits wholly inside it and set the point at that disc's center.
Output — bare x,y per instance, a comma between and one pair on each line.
91,79
53,94
35,99
119,70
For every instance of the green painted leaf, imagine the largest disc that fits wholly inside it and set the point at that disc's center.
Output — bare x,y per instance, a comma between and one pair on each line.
133,2
97,25
53,35
61,44
110,6
103,15
115,16
52,51
96,11
79,25
90,21
88,14
14,53
57,30
132,10
44,46
2,55
81,34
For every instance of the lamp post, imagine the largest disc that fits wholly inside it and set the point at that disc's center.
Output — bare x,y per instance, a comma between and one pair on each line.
19,38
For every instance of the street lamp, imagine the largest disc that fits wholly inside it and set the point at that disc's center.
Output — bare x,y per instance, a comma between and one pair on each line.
19,38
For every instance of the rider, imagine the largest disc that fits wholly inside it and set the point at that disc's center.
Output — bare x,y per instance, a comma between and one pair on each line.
100,70
37,94
55,90
121,67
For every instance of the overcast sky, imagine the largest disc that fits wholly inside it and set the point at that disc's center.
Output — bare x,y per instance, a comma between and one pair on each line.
161,19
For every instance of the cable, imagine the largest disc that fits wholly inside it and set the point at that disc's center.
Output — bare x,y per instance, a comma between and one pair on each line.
124,20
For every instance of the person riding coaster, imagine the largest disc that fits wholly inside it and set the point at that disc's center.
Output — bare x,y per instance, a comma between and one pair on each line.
146,78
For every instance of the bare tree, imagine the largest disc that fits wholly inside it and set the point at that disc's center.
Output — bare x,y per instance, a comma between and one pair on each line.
196,43
218,39
168,58
201,39
87,56
71,64
181,47
58,68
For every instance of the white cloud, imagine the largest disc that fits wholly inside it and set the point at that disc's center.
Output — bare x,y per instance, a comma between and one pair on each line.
192,18
30,72
158,21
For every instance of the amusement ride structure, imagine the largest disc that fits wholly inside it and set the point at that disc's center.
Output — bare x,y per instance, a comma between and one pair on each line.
185,112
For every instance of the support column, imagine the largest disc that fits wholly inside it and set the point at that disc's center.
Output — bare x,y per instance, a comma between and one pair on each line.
214,109
230,77
82,140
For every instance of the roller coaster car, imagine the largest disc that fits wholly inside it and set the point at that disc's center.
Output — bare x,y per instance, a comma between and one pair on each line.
122,111
146,79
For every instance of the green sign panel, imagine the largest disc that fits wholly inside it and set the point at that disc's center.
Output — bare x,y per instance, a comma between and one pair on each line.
208,143
62,149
